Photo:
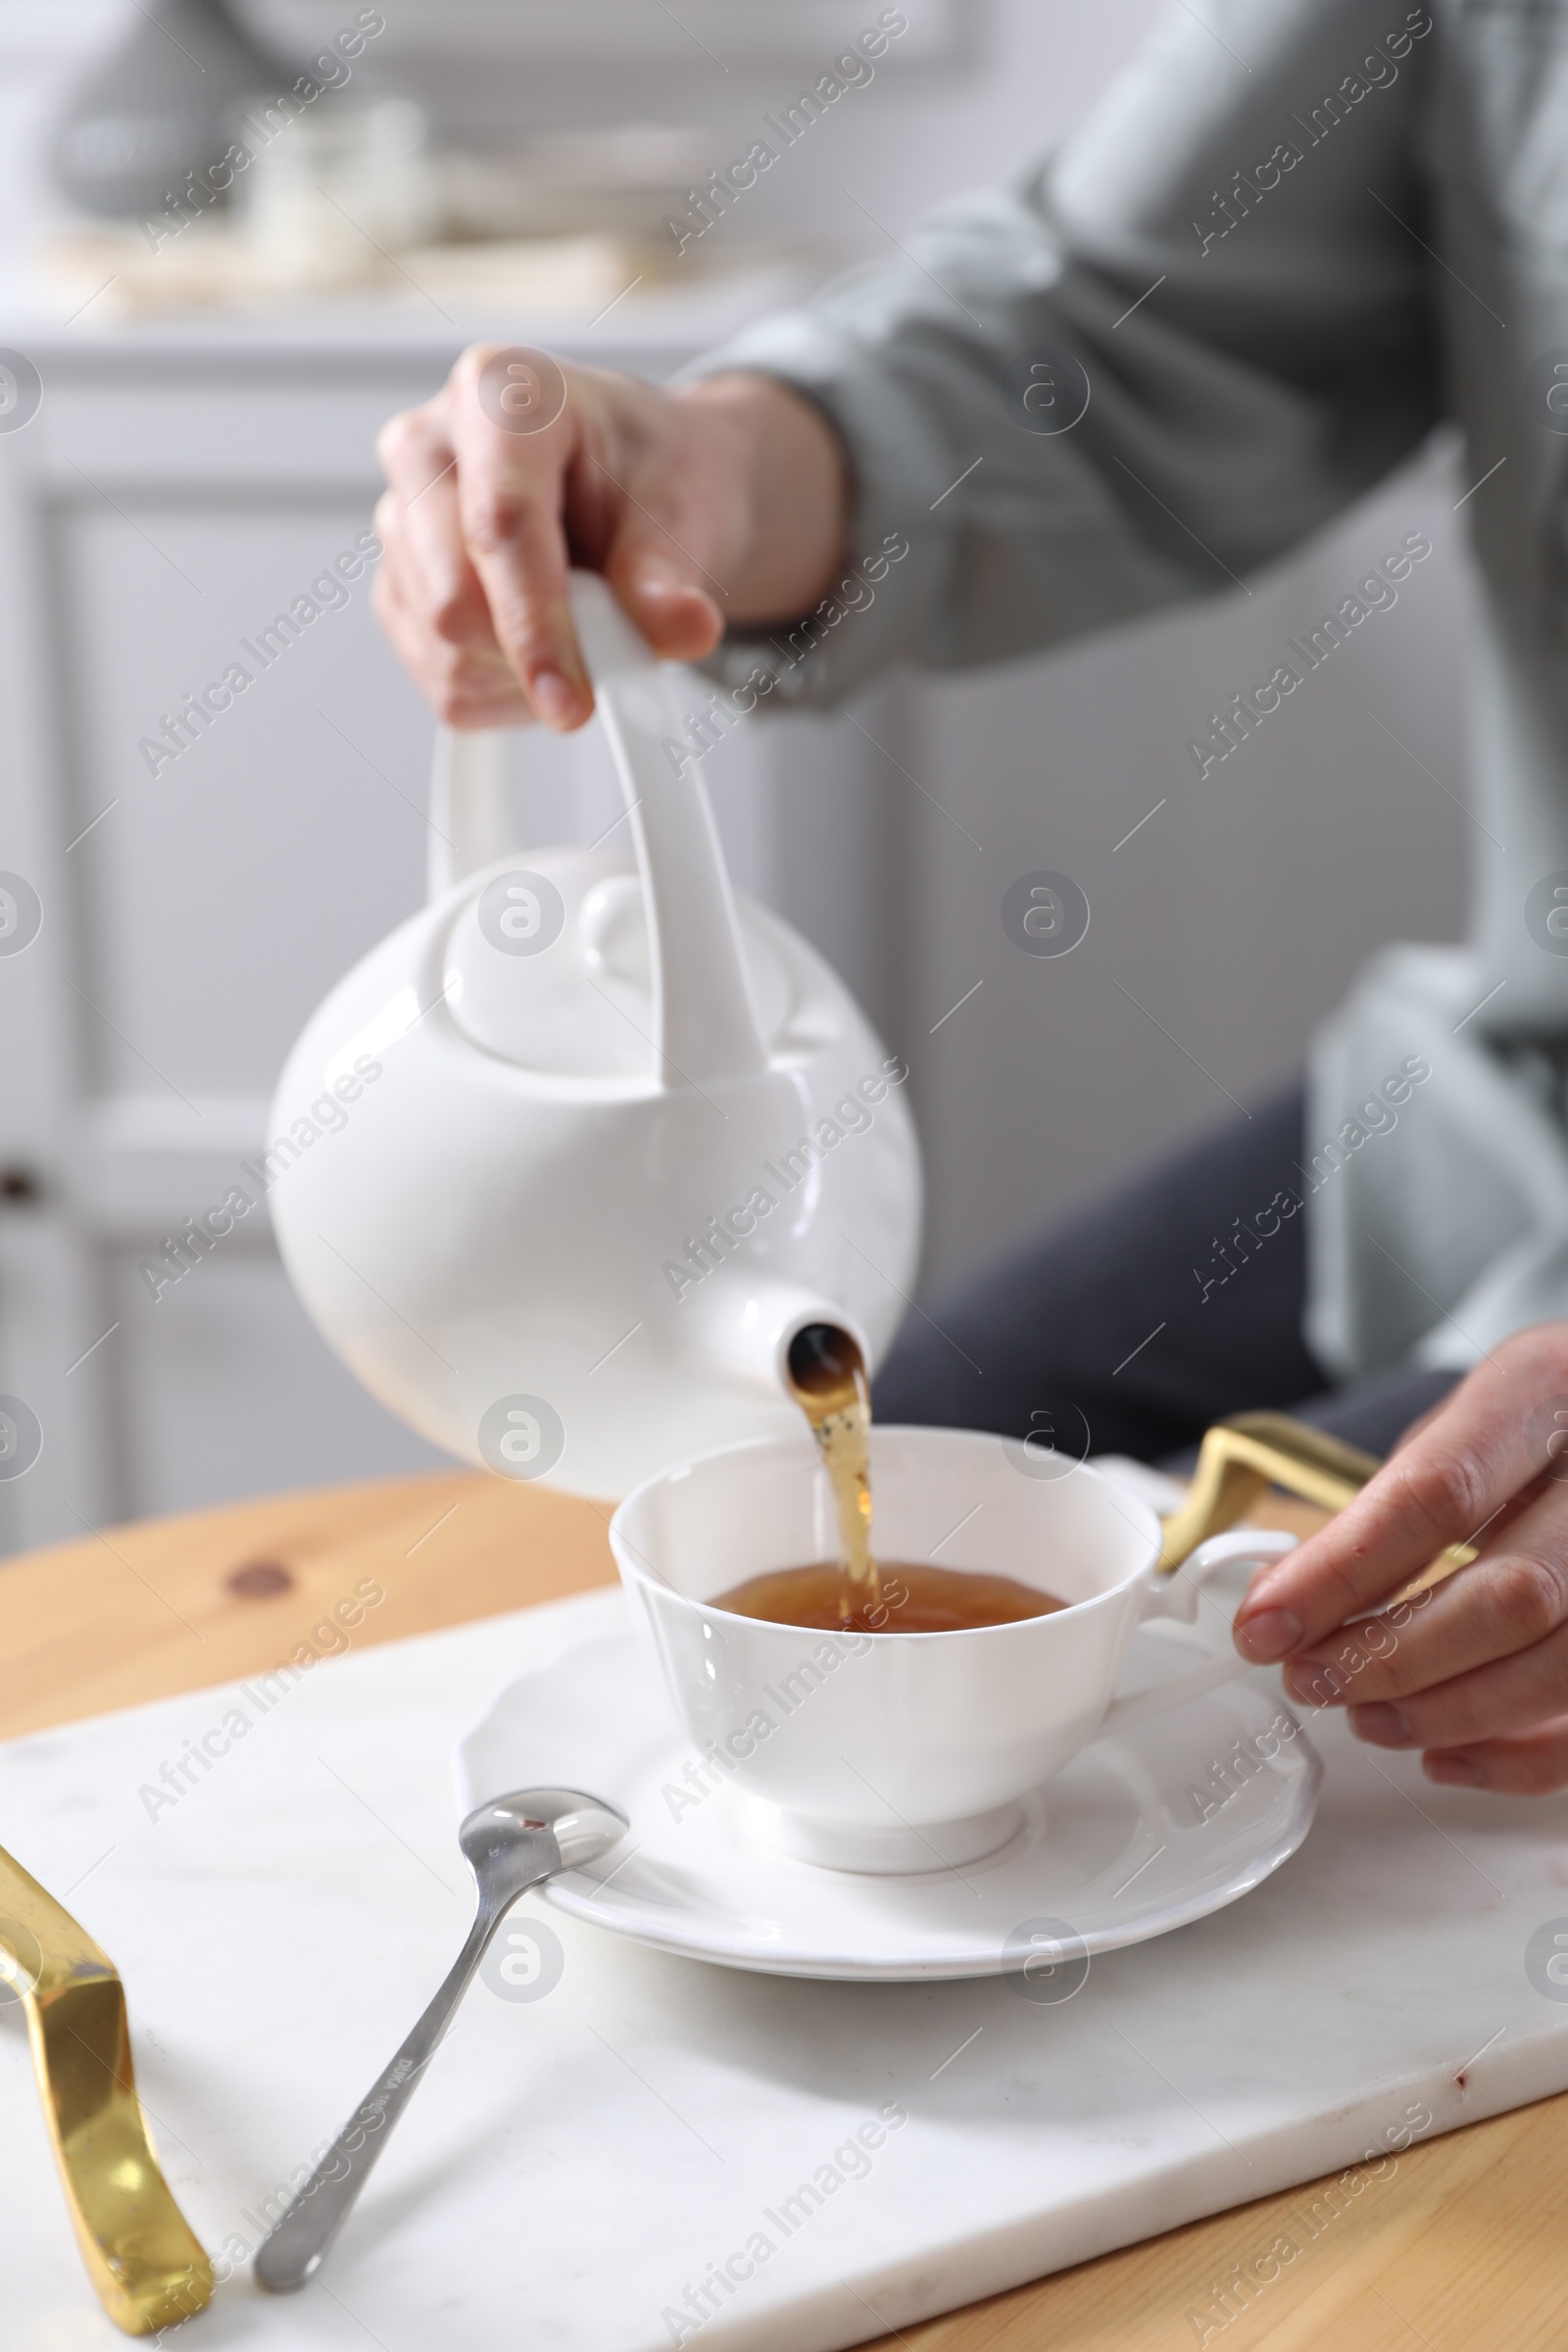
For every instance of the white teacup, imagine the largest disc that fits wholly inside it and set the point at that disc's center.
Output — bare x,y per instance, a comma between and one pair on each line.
894,1751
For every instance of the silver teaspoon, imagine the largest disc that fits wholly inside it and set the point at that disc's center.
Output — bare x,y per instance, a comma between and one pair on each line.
512,1844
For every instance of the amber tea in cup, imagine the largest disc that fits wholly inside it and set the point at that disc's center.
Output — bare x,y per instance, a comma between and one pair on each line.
914,1597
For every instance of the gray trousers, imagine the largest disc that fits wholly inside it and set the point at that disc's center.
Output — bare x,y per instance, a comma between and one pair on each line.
1133,1326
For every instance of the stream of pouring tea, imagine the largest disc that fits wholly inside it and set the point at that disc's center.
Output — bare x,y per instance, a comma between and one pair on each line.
828,1377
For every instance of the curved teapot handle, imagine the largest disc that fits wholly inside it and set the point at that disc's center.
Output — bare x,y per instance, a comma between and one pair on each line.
704,1020
469,822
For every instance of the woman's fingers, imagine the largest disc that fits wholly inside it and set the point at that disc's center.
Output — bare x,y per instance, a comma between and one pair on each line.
1486,1703
419,523
670,531
1472,1670
1512,1598
678,616
521,468
428,596
465,685
511,498
1491,1439
1531,1763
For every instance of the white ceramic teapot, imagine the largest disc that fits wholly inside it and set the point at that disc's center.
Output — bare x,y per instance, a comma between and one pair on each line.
562,1166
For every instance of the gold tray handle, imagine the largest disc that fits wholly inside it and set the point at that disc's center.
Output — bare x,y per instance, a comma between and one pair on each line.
146,2264
1242,1456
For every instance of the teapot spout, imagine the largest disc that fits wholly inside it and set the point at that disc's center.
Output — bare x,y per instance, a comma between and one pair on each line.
747,1334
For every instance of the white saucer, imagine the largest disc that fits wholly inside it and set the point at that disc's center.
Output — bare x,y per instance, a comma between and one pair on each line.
1117,1849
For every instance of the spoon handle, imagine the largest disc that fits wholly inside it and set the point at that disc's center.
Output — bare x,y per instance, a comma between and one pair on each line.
291,2252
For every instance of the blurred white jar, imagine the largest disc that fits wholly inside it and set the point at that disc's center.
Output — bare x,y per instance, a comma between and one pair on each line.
336,190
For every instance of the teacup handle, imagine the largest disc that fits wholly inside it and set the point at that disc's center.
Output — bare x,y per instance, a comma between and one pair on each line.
1175,1594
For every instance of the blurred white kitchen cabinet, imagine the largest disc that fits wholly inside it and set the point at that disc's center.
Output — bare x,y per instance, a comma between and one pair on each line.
176,491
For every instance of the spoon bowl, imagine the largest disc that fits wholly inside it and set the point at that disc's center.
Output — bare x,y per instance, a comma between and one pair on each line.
508,1829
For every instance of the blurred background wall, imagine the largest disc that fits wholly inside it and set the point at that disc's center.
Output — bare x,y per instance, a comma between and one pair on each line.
203,450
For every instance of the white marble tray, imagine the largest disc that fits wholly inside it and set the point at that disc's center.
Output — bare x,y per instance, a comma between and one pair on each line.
576,2163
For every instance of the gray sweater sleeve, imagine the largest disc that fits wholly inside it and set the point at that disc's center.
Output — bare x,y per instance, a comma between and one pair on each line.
1190,338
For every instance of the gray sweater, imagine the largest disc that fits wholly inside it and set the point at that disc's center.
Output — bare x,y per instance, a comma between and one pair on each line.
1294,236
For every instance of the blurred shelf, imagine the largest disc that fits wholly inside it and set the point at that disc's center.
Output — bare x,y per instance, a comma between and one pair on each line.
727,30
349,333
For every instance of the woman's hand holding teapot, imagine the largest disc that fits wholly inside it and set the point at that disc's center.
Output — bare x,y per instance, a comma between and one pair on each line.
714,505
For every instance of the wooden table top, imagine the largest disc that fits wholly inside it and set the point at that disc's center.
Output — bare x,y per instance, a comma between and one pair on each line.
1460,2244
